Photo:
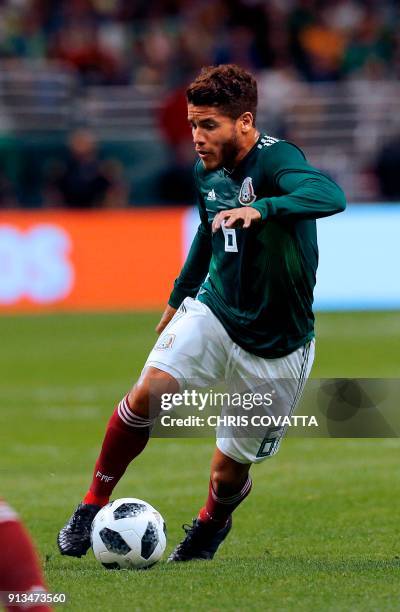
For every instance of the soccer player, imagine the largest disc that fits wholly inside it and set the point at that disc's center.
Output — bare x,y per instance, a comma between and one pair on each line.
241,306
20,572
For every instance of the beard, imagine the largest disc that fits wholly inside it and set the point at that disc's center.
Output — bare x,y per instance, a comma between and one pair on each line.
229,152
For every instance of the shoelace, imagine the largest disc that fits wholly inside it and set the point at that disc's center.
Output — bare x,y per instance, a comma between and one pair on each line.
190,531
82,518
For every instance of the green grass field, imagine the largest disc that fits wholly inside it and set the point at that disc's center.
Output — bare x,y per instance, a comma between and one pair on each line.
319,531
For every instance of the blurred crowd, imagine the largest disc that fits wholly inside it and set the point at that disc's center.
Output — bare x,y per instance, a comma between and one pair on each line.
163,43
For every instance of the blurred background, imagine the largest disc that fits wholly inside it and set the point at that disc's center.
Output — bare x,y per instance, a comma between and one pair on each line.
93,118
92,108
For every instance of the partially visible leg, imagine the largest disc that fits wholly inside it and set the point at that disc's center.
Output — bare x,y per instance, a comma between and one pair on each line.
126,436
19,563
230,484
128,432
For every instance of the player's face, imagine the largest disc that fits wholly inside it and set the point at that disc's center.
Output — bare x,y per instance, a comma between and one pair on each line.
216,137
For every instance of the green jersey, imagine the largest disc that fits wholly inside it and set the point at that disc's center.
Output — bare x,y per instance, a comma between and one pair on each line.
259,281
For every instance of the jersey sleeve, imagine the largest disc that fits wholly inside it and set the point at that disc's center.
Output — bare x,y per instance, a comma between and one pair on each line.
197,262
306,192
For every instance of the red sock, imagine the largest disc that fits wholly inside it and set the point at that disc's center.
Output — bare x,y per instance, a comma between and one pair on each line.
19,564
219,509
126,436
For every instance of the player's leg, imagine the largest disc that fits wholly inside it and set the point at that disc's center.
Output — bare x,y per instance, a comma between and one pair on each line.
128,432
229,485
189,349
230,482
19,563
126,436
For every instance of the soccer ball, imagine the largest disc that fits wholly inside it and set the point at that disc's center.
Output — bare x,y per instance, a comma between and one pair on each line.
128,533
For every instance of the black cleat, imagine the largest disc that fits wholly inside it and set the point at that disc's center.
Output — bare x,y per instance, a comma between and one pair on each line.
74,538
201,541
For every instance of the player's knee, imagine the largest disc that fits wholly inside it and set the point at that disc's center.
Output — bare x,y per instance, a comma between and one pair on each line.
138,400
145,396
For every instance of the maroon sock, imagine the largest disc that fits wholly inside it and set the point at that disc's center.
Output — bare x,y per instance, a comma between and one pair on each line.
126,436
218,509
19,564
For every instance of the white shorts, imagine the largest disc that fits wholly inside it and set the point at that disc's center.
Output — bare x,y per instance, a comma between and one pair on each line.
196,350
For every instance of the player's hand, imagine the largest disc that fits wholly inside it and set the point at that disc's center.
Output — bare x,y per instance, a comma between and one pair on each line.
236,217
165,319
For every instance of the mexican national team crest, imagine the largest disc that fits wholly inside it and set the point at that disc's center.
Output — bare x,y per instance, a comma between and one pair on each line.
246,193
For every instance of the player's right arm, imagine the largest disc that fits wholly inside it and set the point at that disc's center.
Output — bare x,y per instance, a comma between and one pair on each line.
194,270
192,275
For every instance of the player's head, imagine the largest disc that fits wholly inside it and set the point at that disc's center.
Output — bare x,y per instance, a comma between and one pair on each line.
222,106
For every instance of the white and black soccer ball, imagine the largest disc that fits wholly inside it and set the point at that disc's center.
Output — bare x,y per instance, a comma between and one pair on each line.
128,533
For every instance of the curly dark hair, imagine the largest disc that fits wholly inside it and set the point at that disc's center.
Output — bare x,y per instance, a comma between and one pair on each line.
229,87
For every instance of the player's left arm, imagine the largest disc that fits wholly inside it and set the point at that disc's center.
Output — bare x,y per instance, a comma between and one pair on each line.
306,192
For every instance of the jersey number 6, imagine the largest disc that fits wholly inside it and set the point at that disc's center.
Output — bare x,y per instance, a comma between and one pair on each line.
230,240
